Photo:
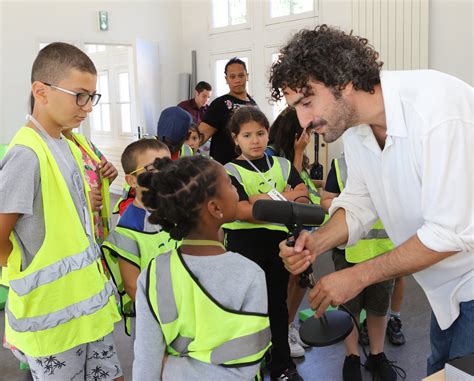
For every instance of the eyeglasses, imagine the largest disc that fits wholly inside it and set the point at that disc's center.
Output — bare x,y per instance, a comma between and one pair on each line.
81,98
147,168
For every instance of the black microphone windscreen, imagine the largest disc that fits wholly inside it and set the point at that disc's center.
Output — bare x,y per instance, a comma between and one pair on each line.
288,212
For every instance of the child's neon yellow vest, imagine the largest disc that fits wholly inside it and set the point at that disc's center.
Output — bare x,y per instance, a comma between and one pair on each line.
194,325
376,242
138,248
63,298
313,193
253,184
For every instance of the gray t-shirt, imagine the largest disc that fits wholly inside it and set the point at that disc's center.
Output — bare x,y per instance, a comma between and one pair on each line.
20,192
233,281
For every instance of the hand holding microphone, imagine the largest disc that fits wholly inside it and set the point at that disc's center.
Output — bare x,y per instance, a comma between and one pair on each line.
296,255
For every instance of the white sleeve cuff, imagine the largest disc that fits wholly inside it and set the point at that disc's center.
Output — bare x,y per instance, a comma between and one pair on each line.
440,239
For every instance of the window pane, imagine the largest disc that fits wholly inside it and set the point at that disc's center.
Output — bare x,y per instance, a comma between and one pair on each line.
280,8
279,106
220,13
124,88
126,120
301,6
105,117
103,87
90,48
238,11
95,118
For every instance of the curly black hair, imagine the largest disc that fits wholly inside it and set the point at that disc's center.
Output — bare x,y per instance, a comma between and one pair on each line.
177,191
326,55
285,126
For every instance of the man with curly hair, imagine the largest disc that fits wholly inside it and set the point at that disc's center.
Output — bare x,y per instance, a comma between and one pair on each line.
406,135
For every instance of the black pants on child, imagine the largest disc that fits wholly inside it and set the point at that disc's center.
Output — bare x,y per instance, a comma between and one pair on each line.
261,246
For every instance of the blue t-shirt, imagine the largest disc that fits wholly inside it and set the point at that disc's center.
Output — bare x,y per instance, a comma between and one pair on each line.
133,218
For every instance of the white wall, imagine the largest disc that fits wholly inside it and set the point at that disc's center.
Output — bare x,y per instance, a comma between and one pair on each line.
23,25
451,48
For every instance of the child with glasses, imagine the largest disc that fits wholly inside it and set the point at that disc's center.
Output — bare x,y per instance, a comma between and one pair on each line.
61,306
134,241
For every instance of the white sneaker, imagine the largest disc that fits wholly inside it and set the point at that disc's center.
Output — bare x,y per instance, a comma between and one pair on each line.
296,350
293,331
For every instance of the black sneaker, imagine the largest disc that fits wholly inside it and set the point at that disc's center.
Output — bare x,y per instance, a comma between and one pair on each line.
394,331
364,334
383,369
351,369
288,375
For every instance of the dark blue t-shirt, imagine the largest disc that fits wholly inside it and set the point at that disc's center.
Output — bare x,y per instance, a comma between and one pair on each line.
133,218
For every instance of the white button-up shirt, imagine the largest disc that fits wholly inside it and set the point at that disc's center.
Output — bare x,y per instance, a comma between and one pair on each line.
421,182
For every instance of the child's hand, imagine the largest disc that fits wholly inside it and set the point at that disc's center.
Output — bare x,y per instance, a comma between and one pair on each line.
107,170
302,141
95,197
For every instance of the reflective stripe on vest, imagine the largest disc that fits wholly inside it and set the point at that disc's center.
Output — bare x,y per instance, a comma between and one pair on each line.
62,298
376,242
187,314
279,173
74,311
125,243
28,283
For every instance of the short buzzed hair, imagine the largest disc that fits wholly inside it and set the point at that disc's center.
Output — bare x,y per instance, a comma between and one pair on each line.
54,61
201,86
129,155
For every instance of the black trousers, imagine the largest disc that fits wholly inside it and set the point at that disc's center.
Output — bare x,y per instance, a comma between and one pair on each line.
261,246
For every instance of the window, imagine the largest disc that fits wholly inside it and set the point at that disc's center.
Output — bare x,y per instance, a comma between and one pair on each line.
92,48
279,106
100,116
228,13
287,10
124,102
221,87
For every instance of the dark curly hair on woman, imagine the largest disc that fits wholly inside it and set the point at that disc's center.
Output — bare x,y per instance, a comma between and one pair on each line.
285,127
177,191
326,55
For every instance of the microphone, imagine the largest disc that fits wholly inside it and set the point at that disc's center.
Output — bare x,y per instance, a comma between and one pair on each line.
294,215
288,213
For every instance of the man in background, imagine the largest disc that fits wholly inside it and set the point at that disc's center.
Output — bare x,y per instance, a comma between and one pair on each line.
197,106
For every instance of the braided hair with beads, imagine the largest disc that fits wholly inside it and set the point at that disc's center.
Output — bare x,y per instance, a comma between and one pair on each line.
177,191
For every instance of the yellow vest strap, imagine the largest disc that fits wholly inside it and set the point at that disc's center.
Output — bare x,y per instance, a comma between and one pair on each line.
376,234
74,311
127,244
168,311
53,272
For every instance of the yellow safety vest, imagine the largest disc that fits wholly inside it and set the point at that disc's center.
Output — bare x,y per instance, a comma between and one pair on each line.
186,151
105,188
63,298
313,193
253,184
195,325
138,248
376,242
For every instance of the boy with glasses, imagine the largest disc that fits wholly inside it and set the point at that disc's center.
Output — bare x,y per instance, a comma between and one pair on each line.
135,242
61,307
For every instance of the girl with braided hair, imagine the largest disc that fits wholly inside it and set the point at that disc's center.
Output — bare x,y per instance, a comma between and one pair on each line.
201,310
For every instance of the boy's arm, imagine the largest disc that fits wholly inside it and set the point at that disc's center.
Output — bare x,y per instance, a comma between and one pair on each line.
7,222
130,275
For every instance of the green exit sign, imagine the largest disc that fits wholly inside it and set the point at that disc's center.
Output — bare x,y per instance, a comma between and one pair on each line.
103,21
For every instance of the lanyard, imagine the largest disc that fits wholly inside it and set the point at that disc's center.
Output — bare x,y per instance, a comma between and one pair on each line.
274,194
202,242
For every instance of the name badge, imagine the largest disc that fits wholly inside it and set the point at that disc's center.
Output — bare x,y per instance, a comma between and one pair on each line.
277,196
